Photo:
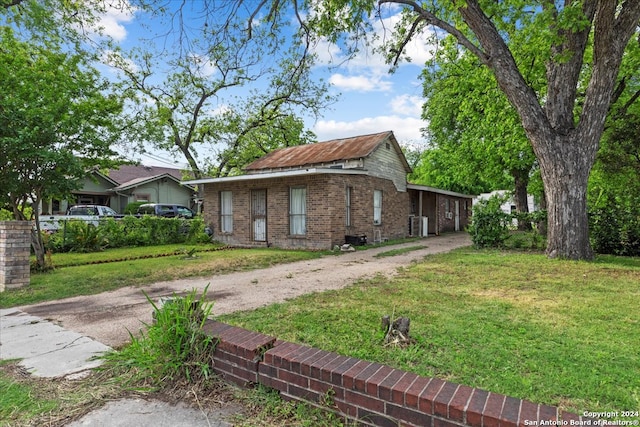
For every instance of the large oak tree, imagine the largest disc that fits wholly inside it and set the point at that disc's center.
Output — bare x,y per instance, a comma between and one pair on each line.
584,42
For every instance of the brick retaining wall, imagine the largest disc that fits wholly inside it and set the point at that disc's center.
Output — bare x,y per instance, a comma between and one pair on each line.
15,244
371,393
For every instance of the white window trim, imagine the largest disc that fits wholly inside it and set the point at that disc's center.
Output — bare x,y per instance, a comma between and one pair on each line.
226,212
377,207
298,211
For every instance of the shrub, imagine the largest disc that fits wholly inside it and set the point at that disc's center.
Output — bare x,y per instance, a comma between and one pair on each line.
76,236
128,231
615,228
132,208
489,224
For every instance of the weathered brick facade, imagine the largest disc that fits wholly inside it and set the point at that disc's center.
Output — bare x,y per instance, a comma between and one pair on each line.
360,166
326,210
15,242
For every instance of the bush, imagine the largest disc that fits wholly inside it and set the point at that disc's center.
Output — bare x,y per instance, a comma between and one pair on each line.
76,236
615,228
489,224
132,208
128,231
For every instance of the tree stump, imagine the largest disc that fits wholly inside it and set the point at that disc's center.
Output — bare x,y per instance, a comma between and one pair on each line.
396,332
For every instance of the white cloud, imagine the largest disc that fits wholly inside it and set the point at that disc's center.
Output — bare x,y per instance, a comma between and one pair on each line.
202,66
419,49
111,23
405,129
360,83
408,105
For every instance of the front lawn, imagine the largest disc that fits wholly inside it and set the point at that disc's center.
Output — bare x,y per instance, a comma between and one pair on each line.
555,332
76,275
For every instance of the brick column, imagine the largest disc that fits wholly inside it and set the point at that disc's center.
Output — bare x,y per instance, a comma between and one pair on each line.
15,243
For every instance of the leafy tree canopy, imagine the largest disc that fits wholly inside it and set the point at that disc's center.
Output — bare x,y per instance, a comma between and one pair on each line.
56,122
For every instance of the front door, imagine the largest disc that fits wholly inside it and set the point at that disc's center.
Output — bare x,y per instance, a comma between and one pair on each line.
457,214
259,215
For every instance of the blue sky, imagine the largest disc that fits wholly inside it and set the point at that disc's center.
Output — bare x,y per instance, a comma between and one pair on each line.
370,99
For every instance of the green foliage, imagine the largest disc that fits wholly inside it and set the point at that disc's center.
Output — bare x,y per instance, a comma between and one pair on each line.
18,401
78,236
132,208
173,349
170,95
615,227
57,122
477,141
529,240
489,224
269,406
6,215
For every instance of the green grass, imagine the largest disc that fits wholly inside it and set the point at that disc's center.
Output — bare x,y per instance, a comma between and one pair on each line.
70,259
394,252
64,282
20,401
555,332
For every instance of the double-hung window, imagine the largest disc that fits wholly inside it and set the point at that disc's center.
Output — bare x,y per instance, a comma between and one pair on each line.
377,206
226,212
298,211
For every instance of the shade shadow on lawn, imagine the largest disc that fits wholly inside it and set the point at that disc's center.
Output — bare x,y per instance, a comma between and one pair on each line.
554,332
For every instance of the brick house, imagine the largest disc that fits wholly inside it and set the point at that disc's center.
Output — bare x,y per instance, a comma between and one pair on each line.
313,196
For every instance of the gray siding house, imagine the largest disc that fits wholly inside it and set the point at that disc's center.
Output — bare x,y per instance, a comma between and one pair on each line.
117,188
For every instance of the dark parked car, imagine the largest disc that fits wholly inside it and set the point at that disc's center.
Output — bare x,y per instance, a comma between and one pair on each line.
166,210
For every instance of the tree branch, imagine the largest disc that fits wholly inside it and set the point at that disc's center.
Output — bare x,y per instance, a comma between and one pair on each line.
431,19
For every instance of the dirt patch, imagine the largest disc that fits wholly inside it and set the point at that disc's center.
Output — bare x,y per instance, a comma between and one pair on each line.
110,316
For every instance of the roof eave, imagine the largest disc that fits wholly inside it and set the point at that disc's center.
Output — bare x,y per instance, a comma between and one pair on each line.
438,190
254,176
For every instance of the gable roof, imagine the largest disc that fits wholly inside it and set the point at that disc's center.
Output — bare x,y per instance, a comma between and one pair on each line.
127,173
353,148
145,180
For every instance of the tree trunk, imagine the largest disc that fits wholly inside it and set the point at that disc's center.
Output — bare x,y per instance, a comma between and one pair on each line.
565,167
520,196
542,224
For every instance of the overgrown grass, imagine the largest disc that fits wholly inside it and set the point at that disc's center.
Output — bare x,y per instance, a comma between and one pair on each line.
19,400
26,400
173,350
266,408
174,354
555,332
91,279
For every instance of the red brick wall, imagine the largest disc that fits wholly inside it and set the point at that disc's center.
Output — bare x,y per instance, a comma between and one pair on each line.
372,394
326,210
448,224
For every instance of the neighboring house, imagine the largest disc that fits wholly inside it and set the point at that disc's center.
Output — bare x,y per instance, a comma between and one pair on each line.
509,206
129,183
313,196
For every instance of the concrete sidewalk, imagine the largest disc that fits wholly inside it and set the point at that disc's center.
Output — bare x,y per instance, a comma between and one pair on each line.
46,349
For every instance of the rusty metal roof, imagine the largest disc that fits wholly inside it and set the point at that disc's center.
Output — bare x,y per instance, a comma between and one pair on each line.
323,152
